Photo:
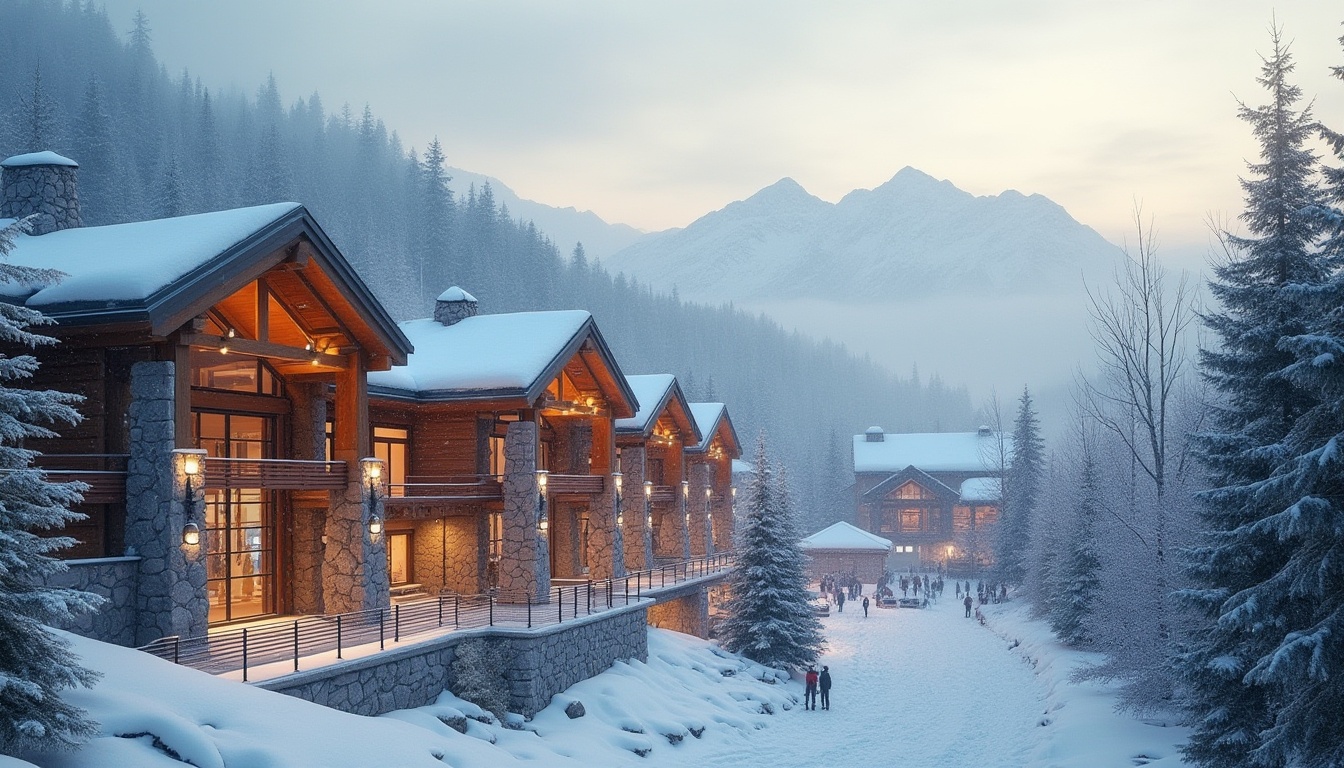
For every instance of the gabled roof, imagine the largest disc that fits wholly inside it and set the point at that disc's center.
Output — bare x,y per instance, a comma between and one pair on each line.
712,420
916,475
163,272
514,355
657,393
931,451
842,535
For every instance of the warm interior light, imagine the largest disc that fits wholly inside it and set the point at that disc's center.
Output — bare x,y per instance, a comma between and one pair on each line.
224,350
375,525
232,333
191,534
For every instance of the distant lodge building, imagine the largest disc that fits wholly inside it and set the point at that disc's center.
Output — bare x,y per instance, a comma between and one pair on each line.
936,496
261,438
845,549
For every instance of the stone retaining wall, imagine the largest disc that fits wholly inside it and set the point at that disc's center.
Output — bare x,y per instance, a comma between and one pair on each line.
542,663
114,578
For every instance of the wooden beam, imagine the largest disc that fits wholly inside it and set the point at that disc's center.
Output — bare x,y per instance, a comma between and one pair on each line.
182,418
352,413
263,311
255,348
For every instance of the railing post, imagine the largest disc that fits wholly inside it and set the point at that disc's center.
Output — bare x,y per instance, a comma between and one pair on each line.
457,610
338,635
244,654
396,623
296,645
560,602
491,599
380,629
529,610
440,610
177,648
590,598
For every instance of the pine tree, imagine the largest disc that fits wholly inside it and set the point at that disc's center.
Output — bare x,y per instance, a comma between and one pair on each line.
1078,579
95,153
38,125
170,197
1021,490
769,618
1333,219
35,665
1255,584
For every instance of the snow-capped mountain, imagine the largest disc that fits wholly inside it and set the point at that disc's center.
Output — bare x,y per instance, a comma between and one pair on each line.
565,226
913,236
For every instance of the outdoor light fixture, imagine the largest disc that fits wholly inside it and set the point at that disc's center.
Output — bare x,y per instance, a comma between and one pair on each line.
191,470
648,489
191,534
620,483
224,348
373,472
543,524
686,489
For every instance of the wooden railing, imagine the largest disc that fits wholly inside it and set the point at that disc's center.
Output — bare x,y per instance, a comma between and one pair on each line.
275,474
591,484
103,473
422,489
663,494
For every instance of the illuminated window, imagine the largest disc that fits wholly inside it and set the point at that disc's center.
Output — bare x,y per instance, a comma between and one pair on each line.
912,520
985,516
211,370
911,490
961,519
391,444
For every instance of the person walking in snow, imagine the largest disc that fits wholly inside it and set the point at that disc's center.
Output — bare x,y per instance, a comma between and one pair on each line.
967,602
865,607
957,584
840,601
824,683
810,691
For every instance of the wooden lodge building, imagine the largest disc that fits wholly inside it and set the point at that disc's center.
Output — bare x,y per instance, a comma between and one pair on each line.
261,438
935,496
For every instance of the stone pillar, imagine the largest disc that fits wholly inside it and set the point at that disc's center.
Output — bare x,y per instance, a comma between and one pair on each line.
683,522
524,567
723,521
606,558
171,599
309,513
637,534
699,525
354,561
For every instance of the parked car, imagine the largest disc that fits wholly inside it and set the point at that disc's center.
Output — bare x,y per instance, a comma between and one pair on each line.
913,602
820,605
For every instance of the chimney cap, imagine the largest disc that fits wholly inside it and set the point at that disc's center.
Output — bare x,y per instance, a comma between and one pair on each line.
38,158
455,294
985,431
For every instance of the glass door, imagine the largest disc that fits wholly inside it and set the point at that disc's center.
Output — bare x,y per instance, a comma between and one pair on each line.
240,523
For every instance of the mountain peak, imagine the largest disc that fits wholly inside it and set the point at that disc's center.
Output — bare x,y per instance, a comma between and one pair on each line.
786,188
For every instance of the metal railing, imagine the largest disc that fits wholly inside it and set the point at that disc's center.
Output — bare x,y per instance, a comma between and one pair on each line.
290,641
419,489
591,484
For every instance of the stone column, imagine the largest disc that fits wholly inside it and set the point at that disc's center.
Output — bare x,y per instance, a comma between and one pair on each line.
305,546
699,525
637,534
524,568
606,558
683,522
723,521
171,599
354,562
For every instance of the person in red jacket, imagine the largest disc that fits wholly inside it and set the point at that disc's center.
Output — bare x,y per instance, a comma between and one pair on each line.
810,692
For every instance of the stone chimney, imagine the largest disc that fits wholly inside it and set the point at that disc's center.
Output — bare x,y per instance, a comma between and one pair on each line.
985,431
453,306
42,183
874,435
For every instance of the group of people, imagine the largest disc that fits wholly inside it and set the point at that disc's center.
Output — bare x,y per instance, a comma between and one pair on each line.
817,682
985,593
842,587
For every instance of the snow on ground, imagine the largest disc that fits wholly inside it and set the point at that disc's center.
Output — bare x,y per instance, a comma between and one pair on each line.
917,688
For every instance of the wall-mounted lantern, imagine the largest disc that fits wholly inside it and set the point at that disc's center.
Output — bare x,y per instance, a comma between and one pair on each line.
191,534
620,482
543,523
648,503
372,468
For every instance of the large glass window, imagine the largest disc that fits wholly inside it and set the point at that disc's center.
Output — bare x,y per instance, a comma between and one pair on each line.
391,444
240,526
211,370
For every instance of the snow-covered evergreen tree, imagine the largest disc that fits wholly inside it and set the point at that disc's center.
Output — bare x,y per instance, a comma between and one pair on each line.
1021,489
769,618
1261,575
35,665
1077,579
479,678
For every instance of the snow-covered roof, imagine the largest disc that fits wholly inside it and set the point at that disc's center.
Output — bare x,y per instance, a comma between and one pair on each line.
455,294
652,391
931,452
486,353
842,535
982,489
38,158
132,262
740,466
709,418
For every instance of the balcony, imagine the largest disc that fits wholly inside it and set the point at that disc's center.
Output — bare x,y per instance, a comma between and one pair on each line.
275,474
103,473
576,484
663,494
421,491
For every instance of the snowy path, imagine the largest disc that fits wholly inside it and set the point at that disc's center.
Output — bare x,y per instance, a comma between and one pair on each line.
913,688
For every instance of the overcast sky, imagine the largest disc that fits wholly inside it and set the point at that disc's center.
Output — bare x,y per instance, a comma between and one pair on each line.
653,114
